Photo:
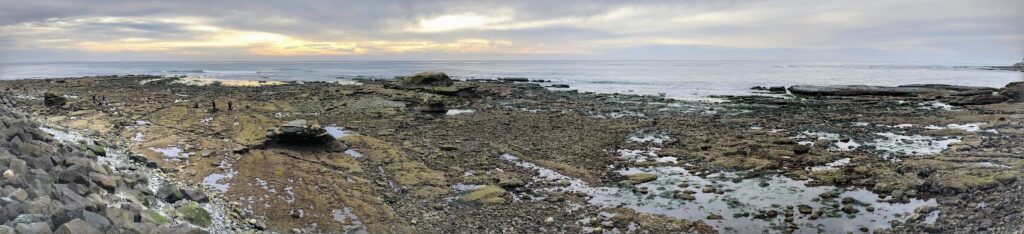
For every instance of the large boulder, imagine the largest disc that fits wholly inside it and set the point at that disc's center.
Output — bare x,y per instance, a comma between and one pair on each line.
53,99
428,78
299,132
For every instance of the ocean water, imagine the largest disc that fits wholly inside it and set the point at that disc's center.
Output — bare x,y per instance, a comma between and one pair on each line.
679,79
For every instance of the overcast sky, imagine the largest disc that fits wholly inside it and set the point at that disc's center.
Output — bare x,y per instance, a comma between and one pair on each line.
946,31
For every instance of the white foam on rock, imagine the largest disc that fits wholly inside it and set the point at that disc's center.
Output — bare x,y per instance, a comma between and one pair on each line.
970,127
459,111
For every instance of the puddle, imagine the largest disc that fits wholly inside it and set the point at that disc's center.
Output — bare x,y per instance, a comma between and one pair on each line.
832,165
353,225
991,165
459,111
740,202
172,152
895,144
337,132
219,181
354,153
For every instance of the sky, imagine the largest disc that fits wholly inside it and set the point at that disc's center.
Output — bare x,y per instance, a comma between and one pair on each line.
948,31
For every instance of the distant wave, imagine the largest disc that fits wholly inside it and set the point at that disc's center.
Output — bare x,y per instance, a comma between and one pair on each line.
184,71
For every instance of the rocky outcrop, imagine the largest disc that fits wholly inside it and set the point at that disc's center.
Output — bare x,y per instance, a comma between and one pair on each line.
299,131
428,78
903,90
1012,92
50,186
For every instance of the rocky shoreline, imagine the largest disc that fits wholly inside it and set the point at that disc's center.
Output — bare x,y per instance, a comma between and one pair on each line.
428,154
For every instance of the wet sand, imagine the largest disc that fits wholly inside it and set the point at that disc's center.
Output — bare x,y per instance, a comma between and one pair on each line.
516,157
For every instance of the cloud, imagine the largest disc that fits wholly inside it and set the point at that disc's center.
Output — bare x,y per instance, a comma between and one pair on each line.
456,29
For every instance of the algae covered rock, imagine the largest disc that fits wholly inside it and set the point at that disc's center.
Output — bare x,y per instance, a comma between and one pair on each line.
193,213
429,78
487,195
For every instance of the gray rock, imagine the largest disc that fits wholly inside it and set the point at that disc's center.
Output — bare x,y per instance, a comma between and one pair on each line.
44,205
195,195
95,220
36,228
4,229
76,226
104,181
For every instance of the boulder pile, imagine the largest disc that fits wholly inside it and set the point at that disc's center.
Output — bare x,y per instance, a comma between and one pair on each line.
53,187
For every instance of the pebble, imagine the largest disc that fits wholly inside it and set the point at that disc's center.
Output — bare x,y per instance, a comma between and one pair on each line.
549,220
8,174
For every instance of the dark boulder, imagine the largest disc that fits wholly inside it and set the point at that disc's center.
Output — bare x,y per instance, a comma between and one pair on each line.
170,193
53,100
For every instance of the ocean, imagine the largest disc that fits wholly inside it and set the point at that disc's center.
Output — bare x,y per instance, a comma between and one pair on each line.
677,79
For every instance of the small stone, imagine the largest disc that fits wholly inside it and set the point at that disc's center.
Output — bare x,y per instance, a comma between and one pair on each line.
640,178
714,217
549,220
804,209
708,189
848,200
8,174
